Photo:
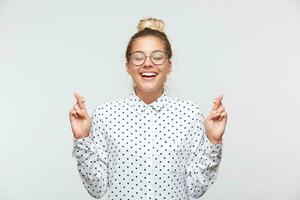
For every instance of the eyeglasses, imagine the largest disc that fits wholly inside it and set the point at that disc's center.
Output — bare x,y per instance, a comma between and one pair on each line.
157,57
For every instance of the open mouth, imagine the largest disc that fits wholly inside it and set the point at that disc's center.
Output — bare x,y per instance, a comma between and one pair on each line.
148,75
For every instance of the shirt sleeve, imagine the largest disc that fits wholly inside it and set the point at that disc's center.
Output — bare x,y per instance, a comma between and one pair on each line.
204,160
91,156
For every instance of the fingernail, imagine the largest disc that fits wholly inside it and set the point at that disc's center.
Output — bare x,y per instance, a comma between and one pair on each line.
214,111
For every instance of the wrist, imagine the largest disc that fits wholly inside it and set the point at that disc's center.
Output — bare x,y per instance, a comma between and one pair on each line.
214,140
80,137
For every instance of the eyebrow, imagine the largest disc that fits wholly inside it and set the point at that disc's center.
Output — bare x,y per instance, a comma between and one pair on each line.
147,51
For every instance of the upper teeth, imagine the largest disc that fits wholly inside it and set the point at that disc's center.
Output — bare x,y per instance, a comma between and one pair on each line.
148,74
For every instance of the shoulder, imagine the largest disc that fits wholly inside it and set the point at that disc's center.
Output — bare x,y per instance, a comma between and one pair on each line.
187,105
110,106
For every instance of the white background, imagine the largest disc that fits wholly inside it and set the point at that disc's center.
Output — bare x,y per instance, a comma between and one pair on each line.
246,50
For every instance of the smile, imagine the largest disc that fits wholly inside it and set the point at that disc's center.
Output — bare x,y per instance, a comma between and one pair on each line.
148,75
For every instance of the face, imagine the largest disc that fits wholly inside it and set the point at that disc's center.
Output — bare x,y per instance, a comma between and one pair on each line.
144,81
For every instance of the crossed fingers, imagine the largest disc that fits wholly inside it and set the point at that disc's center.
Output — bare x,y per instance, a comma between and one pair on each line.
218,108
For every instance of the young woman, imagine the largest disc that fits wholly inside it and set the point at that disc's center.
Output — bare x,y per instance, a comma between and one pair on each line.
148,145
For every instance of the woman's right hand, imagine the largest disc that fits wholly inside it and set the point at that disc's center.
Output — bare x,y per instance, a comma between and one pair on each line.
80,120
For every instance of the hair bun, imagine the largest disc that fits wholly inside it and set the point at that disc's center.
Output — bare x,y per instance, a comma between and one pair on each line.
152,23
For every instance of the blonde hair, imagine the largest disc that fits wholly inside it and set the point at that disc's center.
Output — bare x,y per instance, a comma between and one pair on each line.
152,23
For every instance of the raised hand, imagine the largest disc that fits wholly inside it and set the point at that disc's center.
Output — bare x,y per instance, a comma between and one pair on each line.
79,118
216,121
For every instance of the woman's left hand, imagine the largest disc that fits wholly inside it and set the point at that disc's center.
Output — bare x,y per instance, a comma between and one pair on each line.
215,122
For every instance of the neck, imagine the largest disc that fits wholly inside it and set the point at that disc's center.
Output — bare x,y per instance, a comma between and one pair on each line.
148,97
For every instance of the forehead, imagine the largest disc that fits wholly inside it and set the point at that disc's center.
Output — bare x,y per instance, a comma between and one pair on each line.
148,44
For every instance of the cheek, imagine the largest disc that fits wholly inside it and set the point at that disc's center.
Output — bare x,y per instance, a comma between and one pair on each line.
131,71
165,71
135,75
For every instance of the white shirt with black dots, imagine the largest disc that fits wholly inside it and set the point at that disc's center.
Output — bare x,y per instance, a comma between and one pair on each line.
151,151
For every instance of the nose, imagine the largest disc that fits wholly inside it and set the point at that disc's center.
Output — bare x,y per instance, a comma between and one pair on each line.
148,61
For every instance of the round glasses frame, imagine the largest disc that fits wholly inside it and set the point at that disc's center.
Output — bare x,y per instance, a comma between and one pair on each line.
151,57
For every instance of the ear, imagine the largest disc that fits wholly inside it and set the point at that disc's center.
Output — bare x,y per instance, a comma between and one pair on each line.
170,67
127,68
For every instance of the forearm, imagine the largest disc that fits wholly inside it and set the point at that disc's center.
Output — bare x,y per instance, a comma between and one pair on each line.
92,169
203,167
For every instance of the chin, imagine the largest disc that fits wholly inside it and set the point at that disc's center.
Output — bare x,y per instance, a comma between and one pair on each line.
148,87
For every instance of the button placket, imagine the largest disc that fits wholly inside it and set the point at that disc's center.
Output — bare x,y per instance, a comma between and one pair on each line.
150,133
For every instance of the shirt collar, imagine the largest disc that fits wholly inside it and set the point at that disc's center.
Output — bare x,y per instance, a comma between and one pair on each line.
140,106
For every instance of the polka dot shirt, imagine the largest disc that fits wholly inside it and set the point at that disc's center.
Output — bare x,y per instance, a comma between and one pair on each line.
147,151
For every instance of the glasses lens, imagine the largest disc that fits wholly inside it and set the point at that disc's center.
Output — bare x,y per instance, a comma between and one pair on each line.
158,57
137,58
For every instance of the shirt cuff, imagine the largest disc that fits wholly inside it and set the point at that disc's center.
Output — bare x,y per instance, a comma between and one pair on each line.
81,139
210,148
82,148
